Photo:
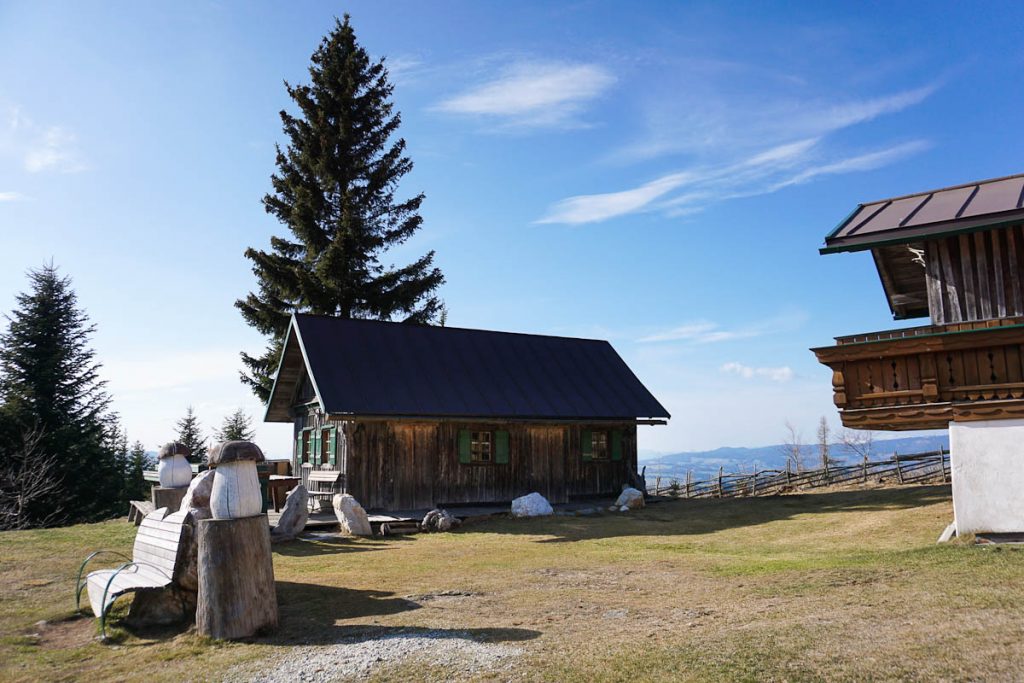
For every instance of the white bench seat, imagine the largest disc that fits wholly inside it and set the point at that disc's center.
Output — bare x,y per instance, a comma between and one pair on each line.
155,558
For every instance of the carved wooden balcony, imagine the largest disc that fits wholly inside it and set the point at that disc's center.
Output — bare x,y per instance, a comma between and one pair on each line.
924,377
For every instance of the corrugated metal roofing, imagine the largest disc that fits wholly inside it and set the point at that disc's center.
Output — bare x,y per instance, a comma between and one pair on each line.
375,368
972,206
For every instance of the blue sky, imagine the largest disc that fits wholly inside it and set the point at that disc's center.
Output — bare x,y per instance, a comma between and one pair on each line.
657,174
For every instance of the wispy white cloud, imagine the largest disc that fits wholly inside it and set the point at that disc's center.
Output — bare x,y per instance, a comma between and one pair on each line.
533,94
708,332
763,173
38,147
737,148
699,332
779,374
11,196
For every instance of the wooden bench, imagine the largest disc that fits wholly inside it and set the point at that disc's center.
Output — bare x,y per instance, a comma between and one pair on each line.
323,484
138,509
153,564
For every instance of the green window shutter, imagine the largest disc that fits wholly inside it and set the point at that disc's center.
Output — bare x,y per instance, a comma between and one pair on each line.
501,447
616,444
464,446
332,446
587,441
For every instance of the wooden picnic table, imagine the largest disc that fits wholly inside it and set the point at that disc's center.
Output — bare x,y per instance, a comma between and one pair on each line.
277,488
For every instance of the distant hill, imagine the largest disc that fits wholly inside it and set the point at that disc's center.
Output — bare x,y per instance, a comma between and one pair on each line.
706,463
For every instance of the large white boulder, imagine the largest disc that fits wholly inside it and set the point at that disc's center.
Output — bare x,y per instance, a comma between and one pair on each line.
294,515
629,499
531,505
197,498
352,519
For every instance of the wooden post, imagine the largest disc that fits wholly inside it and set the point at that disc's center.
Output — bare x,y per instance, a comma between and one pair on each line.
166,497
942,461
237,596
864,476
753,483
789,473
899,472
689,482
657,485
720,482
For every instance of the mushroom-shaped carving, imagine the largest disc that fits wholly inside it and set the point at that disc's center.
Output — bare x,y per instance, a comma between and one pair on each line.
173,468
236,486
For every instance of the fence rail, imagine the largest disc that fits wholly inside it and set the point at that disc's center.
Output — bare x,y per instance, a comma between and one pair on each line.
918,468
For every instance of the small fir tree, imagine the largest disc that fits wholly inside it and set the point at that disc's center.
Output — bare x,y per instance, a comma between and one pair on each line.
135,482
236,427
190,433
334,190
54,402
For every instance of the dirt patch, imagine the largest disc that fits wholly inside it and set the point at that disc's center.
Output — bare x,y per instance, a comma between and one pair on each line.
77,631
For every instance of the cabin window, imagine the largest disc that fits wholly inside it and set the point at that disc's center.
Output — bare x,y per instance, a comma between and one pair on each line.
601,444
481,445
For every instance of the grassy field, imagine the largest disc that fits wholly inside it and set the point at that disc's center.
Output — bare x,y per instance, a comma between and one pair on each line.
841,585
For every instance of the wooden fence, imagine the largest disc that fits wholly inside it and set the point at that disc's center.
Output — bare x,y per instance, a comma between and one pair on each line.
919,468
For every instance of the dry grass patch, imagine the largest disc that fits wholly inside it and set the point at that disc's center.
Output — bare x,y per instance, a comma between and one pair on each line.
840,585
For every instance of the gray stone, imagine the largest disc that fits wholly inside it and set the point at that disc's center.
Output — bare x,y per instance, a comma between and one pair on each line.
629,499
197,498
293,517
439,520
531,505
352,519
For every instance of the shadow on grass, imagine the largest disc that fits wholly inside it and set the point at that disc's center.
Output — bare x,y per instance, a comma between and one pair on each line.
307,546
704,516
309,614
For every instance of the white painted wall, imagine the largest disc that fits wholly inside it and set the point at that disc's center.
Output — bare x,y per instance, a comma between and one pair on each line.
988,475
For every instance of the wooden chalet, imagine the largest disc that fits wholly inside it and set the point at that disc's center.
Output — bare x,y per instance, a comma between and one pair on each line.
414,416
952,255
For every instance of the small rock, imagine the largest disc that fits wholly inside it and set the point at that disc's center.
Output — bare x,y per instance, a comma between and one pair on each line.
439,520
630,499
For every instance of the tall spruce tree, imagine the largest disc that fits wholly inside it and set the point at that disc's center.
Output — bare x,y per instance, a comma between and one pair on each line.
55,405
334,190
236,427
190,433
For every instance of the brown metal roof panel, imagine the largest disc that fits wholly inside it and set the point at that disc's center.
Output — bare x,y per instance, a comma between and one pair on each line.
995,197
943,206
891,216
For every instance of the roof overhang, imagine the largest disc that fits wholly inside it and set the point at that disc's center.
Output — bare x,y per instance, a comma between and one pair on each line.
290,370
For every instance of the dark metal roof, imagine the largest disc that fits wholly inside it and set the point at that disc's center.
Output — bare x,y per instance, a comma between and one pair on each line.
374,368
911,218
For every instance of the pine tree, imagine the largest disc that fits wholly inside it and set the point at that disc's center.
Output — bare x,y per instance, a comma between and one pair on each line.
190,433
334,190
237,427
54,403
135,482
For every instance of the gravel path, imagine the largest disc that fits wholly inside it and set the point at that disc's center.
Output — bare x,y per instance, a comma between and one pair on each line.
359,658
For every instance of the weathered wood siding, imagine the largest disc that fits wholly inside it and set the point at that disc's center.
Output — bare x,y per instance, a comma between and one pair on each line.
975,276
415,465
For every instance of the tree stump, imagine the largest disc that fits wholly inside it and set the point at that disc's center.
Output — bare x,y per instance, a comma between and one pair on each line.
237,597
164,497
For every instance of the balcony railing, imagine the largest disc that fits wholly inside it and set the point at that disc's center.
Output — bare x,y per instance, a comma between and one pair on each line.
924,377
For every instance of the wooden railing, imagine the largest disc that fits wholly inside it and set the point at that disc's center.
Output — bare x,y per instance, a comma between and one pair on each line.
926,377
920,468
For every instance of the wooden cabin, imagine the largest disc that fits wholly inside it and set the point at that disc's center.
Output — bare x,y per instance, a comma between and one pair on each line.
954,256
414,416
